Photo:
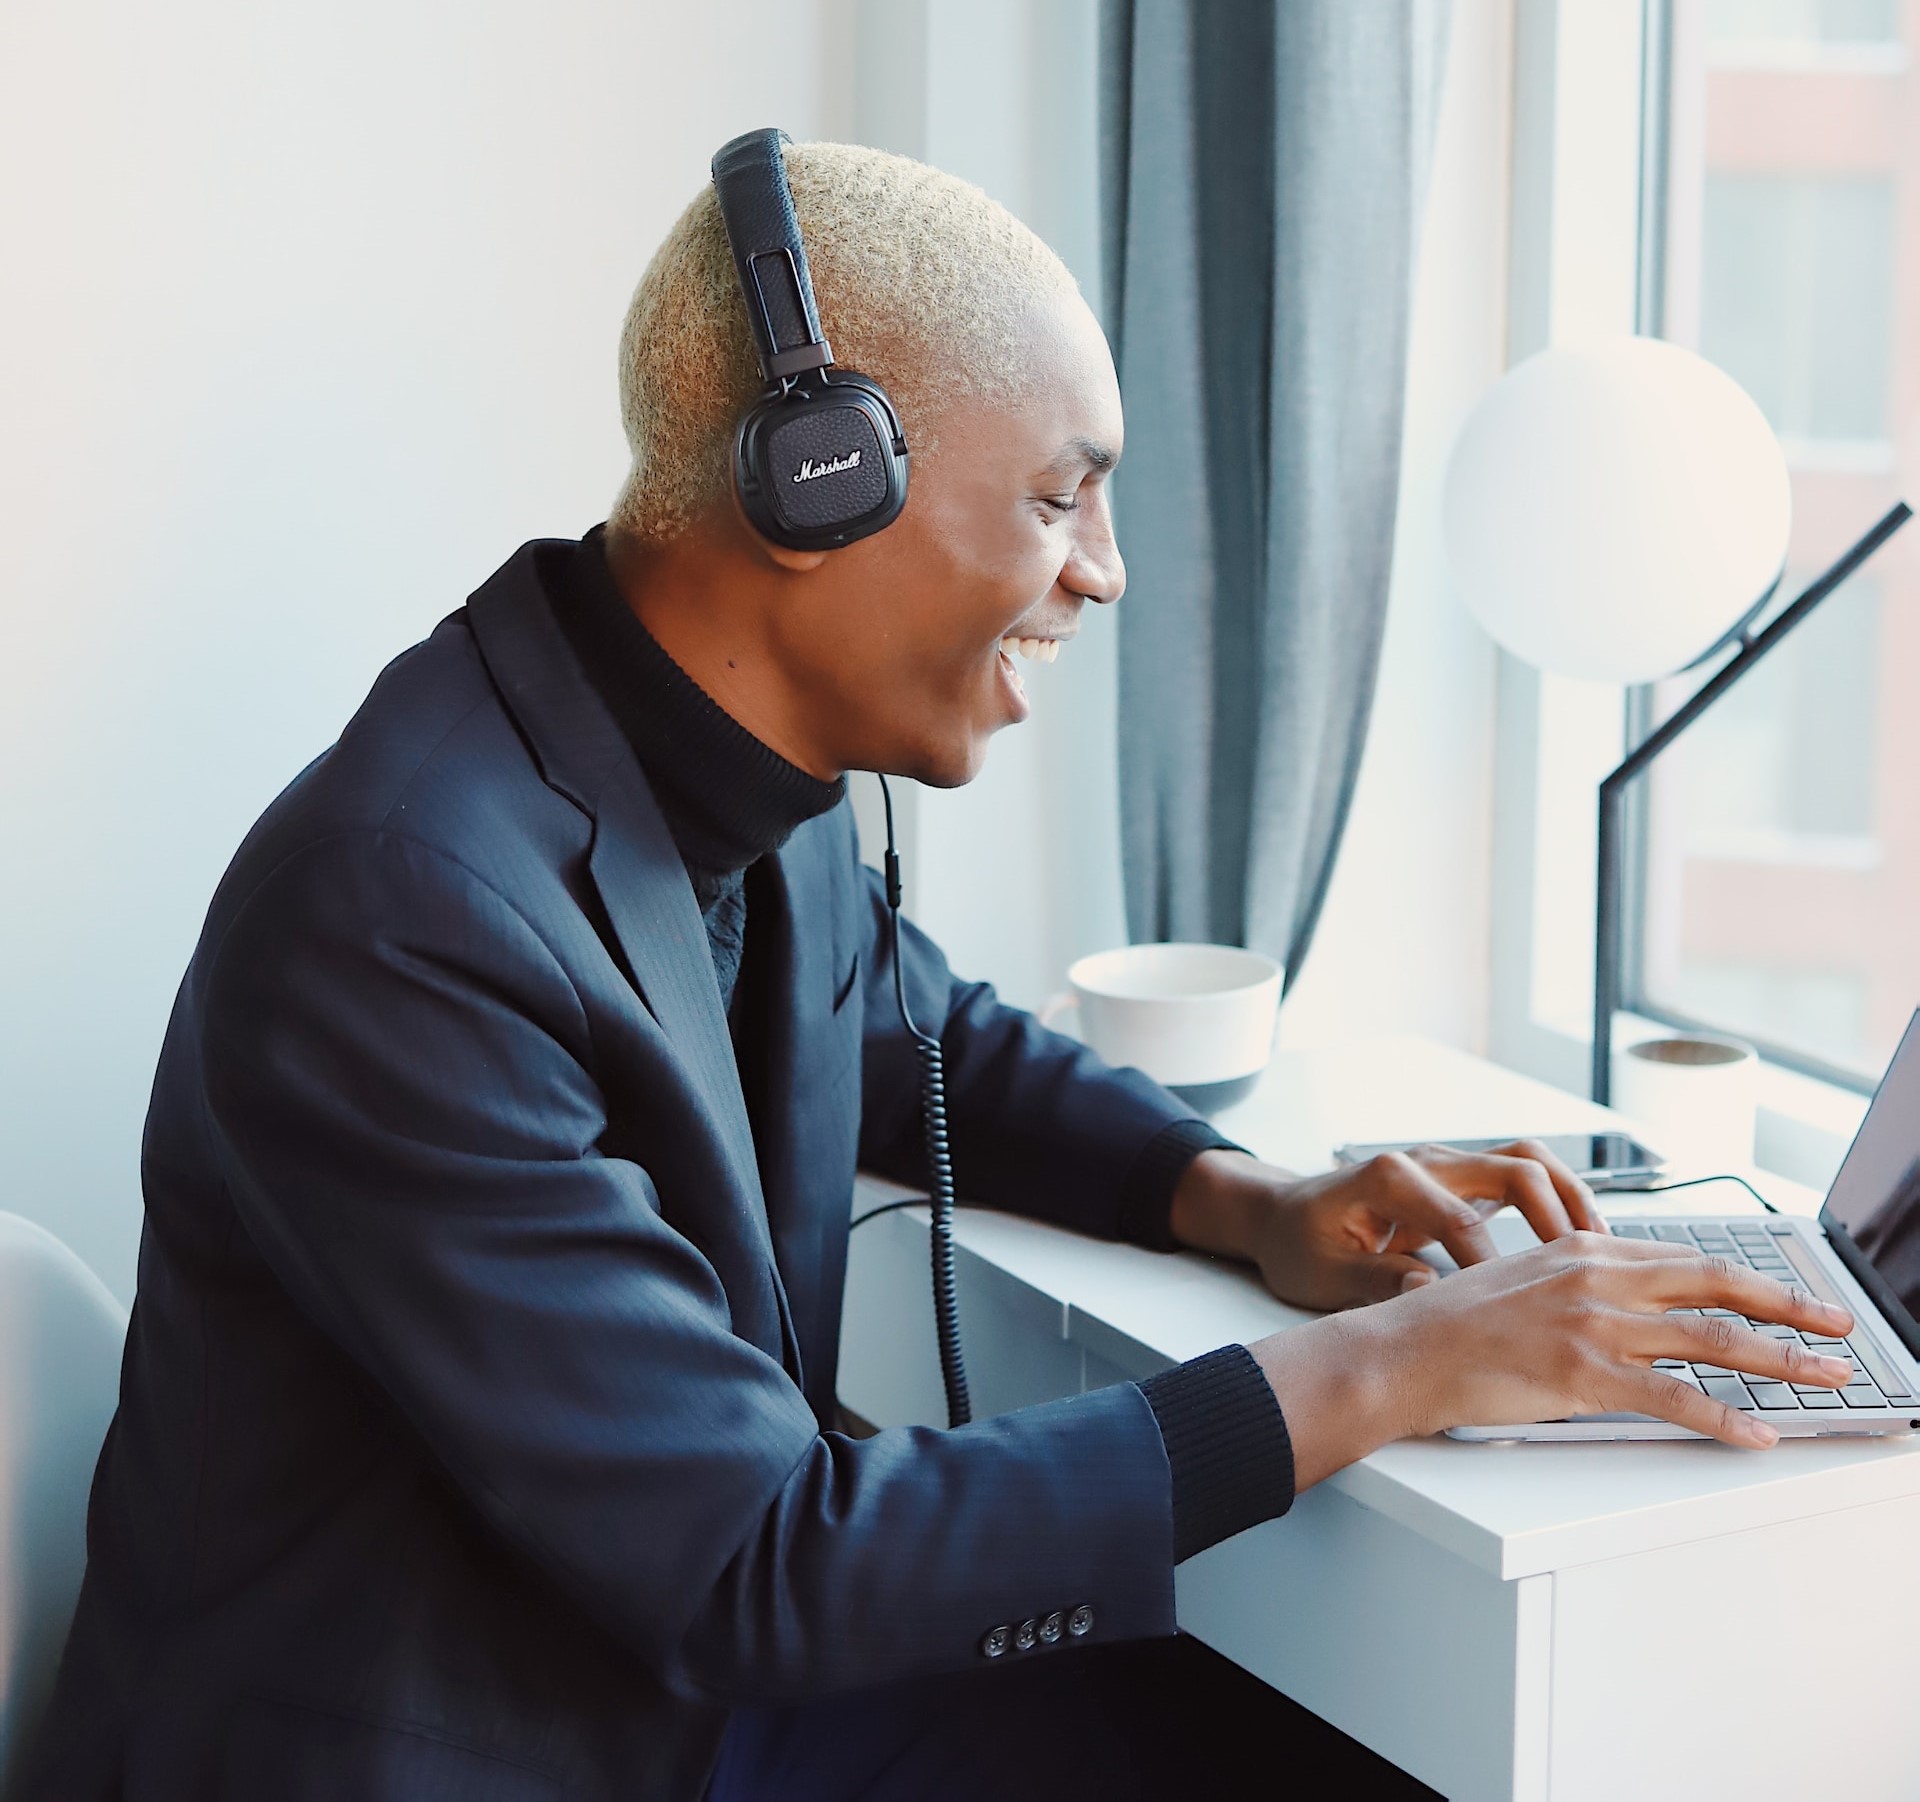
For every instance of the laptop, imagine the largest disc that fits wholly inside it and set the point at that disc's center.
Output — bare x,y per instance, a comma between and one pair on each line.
1863,1252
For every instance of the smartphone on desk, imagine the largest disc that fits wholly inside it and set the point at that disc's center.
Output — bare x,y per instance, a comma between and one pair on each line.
1607,1160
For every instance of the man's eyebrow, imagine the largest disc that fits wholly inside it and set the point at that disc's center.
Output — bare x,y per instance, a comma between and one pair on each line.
1088,451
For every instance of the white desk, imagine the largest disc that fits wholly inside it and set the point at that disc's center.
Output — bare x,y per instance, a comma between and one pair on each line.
1566,1622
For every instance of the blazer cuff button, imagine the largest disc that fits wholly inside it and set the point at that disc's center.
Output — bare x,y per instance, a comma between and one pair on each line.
1050,1628
994,1643
1028,1633
1080,1621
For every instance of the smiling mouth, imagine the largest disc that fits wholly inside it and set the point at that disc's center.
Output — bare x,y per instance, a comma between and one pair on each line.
1035,650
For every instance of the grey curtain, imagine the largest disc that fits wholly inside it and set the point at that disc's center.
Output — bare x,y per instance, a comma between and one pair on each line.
1264,168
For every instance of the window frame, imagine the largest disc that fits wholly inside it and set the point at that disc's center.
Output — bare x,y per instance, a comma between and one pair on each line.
1650,310
1590,118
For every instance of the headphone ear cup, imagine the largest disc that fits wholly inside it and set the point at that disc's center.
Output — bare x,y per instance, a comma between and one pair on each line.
844,379
750,479
821,466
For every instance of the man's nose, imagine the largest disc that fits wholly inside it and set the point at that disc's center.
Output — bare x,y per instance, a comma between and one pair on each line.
1097,570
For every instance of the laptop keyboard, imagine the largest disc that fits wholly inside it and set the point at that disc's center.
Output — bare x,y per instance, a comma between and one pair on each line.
1874,1383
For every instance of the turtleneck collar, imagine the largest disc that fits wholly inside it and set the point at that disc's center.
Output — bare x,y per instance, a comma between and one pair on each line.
728,799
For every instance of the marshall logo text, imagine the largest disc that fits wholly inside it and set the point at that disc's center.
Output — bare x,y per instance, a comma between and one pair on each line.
810,470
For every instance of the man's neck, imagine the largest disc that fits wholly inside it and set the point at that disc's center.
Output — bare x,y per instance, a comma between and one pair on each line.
706,609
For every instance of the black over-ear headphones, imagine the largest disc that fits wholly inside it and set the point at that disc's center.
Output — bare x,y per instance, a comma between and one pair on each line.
819,460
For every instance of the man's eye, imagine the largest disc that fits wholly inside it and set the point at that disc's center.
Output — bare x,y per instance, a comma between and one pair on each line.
1062,503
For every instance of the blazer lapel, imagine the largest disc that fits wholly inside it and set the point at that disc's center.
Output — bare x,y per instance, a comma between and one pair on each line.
640,876
649,901
810,1117
658,924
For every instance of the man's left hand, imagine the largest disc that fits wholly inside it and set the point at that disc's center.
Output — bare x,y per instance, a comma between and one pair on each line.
1349,1236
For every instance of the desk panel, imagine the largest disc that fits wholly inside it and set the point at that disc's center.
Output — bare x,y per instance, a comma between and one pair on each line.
1775,1665
1435,1664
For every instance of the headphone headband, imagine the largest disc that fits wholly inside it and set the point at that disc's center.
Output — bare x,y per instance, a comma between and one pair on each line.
819,460
756,207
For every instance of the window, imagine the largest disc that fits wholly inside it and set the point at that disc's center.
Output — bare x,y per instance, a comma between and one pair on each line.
1795,280
1780,847
1791,29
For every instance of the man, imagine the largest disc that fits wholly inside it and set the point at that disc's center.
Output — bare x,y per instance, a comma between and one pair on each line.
476,1435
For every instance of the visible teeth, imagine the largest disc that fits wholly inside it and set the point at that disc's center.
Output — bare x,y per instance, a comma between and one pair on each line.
1034,650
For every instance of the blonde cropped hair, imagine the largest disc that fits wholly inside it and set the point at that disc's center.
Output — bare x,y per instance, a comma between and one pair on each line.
922,281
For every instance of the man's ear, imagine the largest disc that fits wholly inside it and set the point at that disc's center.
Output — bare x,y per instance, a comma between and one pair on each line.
797,563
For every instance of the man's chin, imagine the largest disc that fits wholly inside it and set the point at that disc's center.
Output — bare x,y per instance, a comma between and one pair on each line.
949,765
947,772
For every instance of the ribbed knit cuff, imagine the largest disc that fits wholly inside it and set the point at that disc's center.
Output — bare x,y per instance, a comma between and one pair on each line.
1227,1446
1146,1196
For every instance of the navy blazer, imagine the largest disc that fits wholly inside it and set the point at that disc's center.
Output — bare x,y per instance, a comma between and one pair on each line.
474,1436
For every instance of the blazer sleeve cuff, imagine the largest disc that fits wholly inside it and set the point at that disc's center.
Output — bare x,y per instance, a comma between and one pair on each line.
1146,1192
1227,1444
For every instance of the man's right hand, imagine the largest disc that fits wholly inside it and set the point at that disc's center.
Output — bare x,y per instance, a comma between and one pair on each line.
1571,1327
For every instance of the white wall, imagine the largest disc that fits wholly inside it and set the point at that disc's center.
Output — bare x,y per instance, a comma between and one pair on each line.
310,317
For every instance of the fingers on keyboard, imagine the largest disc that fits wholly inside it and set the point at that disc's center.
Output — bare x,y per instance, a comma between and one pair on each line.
1754,1245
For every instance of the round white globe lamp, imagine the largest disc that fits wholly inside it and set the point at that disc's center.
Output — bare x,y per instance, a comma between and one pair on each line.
1614,511
1618,512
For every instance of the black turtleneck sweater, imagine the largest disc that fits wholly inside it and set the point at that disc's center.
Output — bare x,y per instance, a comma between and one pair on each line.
729,800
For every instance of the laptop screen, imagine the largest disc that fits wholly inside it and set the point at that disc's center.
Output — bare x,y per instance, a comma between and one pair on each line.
1872,1212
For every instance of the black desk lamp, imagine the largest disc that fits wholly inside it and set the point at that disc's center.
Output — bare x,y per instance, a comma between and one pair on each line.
1619,512
1609,916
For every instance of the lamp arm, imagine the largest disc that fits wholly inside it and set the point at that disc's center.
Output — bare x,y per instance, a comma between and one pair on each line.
1609,918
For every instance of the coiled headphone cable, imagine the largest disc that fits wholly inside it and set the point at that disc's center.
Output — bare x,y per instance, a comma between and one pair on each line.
933,1108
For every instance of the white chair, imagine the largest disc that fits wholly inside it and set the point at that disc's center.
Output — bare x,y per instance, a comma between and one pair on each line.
61,1334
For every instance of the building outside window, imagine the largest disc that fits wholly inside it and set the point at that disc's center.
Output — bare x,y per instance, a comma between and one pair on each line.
1780,857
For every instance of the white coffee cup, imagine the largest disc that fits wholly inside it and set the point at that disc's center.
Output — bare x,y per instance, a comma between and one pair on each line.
1693,1095
1190,1016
